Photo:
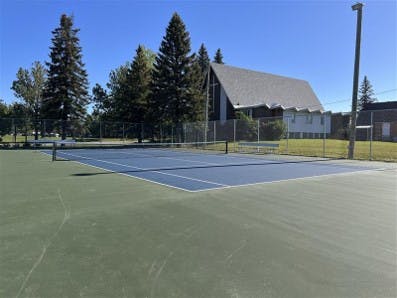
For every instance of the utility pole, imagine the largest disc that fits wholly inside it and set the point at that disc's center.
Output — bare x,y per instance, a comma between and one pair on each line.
353,117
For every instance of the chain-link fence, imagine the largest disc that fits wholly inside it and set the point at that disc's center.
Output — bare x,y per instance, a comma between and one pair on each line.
309,134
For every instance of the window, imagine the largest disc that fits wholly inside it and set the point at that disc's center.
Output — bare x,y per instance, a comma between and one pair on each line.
309,118
293,118
322,119
248,112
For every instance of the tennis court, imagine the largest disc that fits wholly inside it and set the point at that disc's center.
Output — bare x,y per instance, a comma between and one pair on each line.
134,222
175,165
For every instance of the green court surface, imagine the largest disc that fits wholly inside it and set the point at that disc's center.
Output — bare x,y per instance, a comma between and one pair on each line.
65,235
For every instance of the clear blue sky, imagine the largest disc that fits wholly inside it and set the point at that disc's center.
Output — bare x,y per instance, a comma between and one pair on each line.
310,40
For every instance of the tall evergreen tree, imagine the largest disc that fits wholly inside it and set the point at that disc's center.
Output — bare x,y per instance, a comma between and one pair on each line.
366,94
196,91
139,78
203,59
29,86
171,99
218,57
66,95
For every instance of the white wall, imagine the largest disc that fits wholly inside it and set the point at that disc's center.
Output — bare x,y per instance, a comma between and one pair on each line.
301,122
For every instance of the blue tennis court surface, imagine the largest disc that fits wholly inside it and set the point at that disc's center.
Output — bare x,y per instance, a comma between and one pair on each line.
191,171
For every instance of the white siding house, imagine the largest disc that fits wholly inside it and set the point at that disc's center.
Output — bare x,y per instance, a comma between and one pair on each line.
305,124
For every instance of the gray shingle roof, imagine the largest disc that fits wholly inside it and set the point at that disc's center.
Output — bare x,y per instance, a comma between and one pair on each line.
247,88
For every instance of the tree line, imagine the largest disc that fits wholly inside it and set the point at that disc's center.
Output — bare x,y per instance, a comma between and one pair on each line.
167,87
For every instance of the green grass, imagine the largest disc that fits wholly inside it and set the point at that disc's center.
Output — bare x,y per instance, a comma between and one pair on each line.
382,151
107,235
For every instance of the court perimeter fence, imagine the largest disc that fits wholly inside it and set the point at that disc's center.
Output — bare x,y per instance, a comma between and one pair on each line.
323,135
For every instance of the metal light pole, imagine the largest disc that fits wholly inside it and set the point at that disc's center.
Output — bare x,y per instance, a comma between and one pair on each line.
353,117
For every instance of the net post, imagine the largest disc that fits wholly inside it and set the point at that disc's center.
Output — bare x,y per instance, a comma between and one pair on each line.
226,147
54,151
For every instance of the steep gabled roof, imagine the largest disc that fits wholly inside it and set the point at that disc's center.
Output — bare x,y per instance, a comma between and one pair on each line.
247,88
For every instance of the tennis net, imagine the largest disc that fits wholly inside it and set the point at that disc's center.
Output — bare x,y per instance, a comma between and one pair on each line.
121,150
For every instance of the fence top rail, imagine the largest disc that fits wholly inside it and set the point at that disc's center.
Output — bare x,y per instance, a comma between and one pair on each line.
256,144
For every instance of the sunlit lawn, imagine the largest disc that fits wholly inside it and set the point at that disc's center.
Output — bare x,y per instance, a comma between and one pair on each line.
386,151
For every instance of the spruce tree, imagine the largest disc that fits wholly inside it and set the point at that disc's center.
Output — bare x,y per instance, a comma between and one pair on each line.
203,59
196,92
171,99
66,95
218,57
366,94
139,78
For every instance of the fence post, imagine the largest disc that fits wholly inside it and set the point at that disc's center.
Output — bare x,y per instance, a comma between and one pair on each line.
257,123
14,127
371,136
286,147
234,135
214,131
324,135
142,133
26,130
184,132
100,130
205,130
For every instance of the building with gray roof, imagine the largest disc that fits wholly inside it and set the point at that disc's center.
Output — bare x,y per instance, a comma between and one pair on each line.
259,94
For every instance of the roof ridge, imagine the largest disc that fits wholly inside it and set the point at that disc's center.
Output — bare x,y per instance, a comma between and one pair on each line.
257,71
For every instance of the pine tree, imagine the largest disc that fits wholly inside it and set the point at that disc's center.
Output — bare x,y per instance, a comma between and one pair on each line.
366,93
66,95
171,99
29,86
218,57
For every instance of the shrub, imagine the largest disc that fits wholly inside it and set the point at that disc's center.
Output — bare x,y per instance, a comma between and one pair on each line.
274,130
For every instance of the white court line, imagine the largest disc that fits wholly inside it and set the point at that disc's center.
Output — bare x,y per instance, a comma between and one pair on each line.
143,169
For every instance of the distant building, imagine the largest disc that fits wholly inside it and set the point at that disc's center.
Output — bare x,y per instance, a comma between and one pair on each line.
260,94
383,117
